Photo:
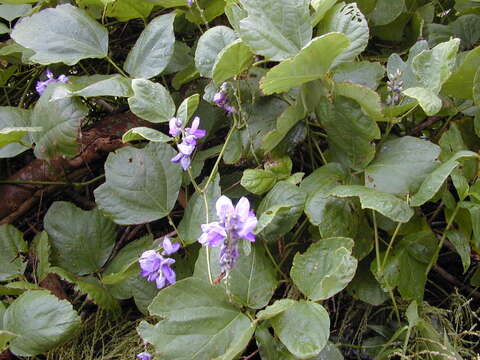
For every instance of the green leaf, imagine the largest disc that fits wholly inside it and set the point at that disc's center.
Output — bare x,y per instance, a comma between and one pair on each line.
465,27
258,181
401,165
386,204
10,135
195,213
61,120
285,122
269,347
141,185
368,99
231,61
365,288
287,198
350,132
303,328
84,243
426,98
462,246
41,321
42,252
187,307
267,33
386,11
5,338
363,73
434,67
312,62
187,108
4,29
276,308
325,268
11,12
153,50
395,63
209,47
322,178
461,82
95,85
12,245
188,74
151,101
251,282
92,287
145,133
63,34
181,58
349,20
321,7
14,117
474,212
125,10
234,14
435,179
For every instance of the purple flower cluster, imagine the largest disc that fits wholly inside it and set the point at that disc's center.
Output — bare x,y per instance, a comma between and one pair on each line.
189,141
156,267
144,356
234,223
221,99
42,85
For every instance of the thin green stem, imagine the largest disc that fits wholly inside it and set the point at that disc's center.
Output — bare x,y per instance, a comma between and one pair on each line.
395,307
172,224
118,68
274,262
377,245
442,240
390,245
195,185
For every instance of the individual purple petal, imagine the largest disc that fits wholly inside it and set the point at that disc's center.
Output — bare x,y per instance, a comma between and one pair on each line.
220,98
242,209
229,109
144,356
169,274
213,234
160,282
199,133
224,208
63,78
150,261
189,2
185,148
190,140
177,158
175,127
41,86
168,247
185,162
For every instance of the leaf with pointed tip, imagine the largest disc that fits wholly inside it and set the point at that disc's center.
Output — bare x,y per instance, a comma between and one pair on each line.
151,101
267,33
141,185
231,61
62,34
367,98
461,82
427,99
12,245
145,133
42,251
10,135
153,50
96,85
187,108
311,63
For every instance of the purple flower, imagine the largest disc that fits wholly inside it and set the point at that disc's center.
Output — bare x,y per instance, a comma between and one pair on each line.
220,98
168,247
42,85
234,223
144,356
190,2
156,268
175,126
187,146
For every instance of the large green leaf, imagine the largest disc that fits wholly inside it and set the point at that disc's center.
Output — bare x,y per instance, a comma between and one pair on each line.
434,67
258,181
12,245
386,204
350,131
395,63
153,50
145,133
232,60
269,347
303,328
141,185
251,282
435,179
365,288
461,82
83,244
312,62
200,323
41,321
187,108
325,268
151,101
11,12
196,213
427,99
368,99
386,11
61,120
63,34
13,117
268,34
210,45
125,10
349,20
95,85
363,73
279,210
401,165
